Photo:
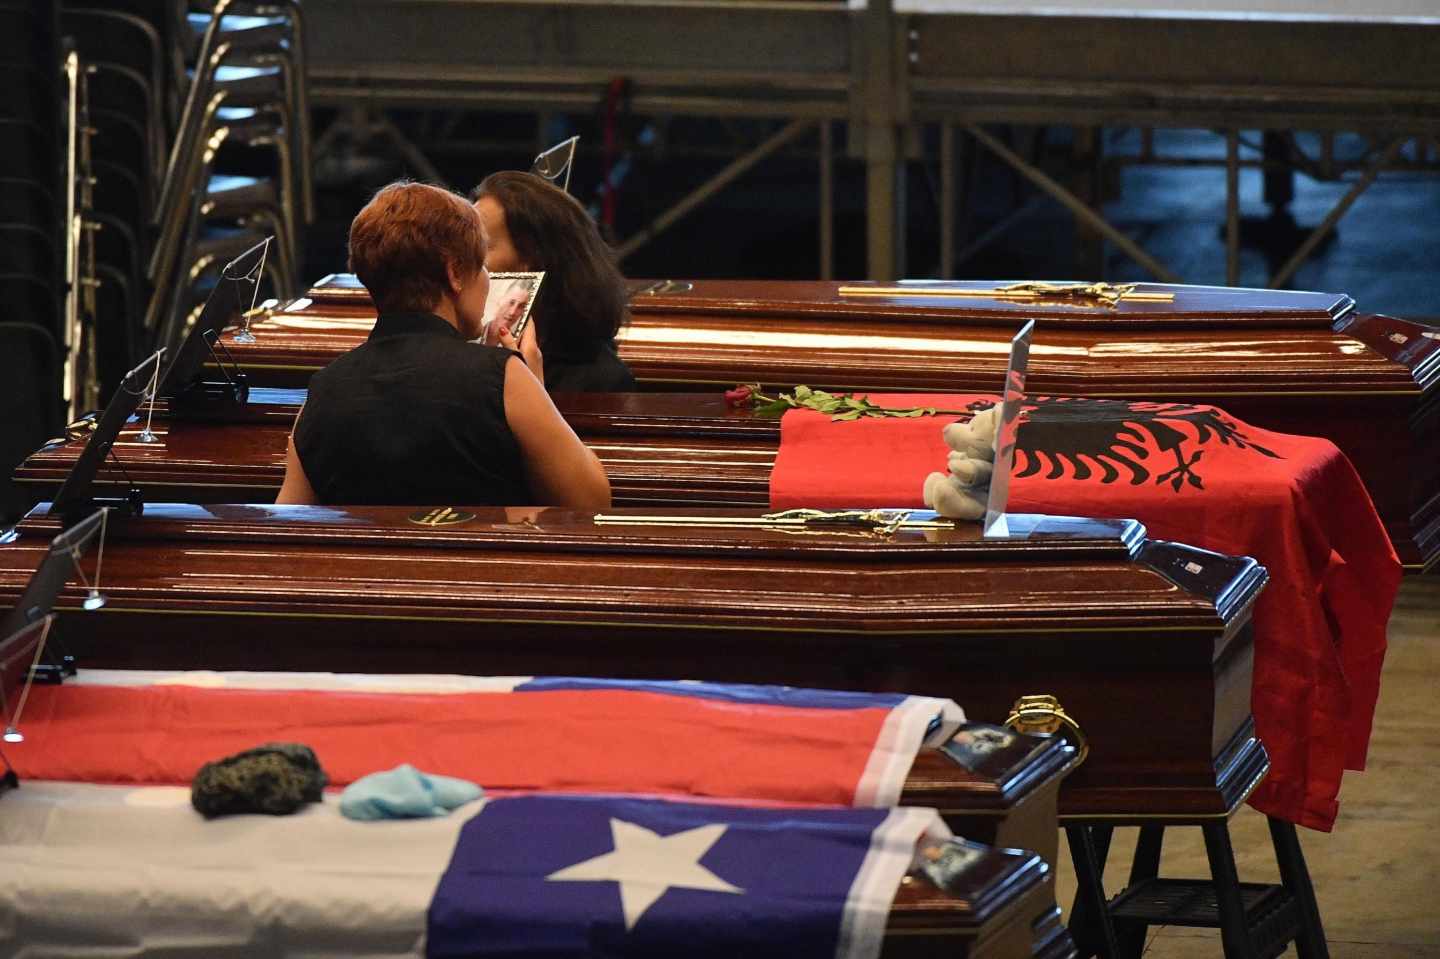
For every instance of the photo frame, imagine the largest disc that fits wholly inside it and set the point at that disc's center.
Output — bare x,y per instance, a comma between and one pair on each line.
1011,405
510,300
555,163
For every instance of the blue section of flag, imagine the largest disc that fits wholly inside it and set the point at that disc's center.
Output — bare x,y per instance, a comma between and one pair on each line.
794,867
727,692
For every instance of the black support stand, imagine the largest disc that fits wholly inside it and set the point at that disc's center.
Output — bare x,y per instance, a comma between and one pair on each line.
1256,920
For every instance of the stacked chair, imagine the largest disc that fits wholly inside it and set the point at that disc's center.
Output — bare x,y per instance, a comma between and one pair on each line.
238,168
123,45
32,247
146,144
201,147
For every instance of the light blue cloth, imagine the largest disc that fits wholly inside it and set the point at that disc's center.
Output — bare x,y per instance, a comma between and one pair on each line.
405,793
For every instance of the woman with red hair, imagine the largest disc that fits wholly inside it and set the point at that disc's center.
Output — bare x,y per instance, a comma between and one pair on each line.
416,415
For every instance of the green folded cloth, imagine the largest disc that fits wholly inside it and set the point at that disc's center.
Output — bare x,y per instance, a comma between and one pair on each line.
405,793
274,778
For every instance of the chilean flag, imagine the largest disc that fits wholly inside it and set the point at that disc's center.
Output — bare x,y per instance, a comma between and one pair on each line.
591,876
116,871
693,740
578,854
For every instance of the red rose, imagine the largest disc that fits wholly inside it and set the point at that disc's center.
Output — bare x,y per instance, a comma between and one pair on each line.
739,396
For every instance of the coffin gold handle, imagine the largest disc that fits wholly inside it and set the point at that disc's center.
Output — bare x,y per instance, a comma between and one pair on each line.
1043,714
79,429
663,287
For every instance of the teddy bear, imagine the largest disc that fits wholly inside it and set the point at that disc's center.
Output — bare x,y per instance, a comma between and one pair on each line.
962,493
975,438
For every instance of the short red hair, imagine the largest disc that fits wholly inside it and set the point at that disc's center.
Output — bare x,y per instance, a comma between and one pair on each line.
402,241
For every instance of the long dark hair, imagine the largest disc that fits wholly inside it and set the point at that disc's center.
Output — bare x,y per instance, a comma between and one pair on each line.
583,301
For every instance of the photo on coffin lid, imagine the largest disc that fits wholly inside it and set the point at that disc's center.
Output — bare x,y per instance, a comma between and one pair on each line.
1012,403
24,629
555,163
76,498
509,300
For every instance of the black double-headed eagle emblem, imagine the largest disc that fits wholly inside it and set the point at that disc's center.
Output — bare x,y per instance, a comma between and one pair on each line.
1079,438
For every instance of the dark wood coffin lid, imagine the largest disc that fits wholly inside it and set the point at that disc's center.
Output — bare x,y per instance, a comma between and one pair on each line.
590,414
338,288
1198,305
560,530
558,566
1230,354
1192,305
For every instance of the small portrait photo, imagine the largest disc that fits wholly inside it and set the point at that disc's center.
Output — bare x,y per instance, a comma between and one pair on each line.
509,301
975,742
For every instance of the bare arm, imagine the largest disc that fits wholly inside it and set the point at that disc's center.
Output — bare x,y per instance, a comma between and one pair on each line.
296,489
562,470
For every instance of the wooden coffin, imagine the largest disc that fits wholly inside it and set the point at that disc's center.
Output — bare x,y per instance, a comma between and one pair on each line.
270,893
659,449
999,902
1295,362
1086,611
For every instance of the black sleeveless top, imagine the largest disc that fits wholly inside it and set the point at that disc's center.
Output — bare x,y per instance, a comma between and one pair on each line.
413,416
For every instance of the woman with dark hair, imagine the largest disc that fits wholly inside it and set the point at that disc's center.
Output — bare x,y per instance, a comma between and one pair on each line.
416,415
582,303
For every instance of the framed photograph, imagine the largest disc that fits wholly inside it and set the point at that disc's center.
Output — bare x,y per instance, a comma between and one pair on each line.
555,163
509,301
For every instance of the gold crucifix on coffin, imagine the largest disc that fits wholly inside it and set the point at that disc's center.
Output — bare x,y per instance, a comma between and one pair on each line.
1029,291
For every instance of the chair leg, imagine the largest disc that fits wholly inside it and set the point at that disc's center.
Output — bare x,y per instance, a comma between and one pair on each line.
1310,939
1234,931
302,112
284,253
1090,924
1145,865
294,129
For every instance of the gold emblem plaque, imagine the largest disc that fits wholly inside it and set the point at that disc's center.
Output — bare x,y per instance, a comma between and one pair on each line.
441,516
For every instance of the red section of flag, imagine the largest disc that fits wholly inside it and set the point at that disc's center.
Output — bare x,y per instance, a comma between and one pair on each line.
594,741
1195,475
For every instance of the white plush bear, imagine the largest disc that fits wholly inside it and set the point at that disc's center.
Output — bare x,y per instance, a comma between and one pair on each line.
968,471
962,493
946,497
976,439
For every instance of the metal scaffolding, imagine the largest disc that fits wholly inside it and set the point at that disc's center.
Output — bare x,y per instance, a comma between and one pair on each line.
887,68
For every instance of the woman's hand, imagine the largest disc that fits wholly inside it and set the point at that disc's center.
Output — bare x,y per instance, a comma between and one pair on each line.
528,347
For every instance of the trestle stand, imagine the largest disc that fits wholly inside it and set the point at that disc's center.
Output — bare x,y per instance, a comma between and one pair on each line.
1090,924
1295,877
1256,920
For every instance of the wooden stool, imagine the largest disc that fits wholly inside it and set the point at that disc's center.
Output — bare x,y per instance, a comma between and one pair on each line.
1256,920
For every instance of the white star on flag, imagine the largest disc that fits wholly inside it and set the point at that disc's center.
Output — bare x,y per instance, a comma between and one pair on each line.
646,864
